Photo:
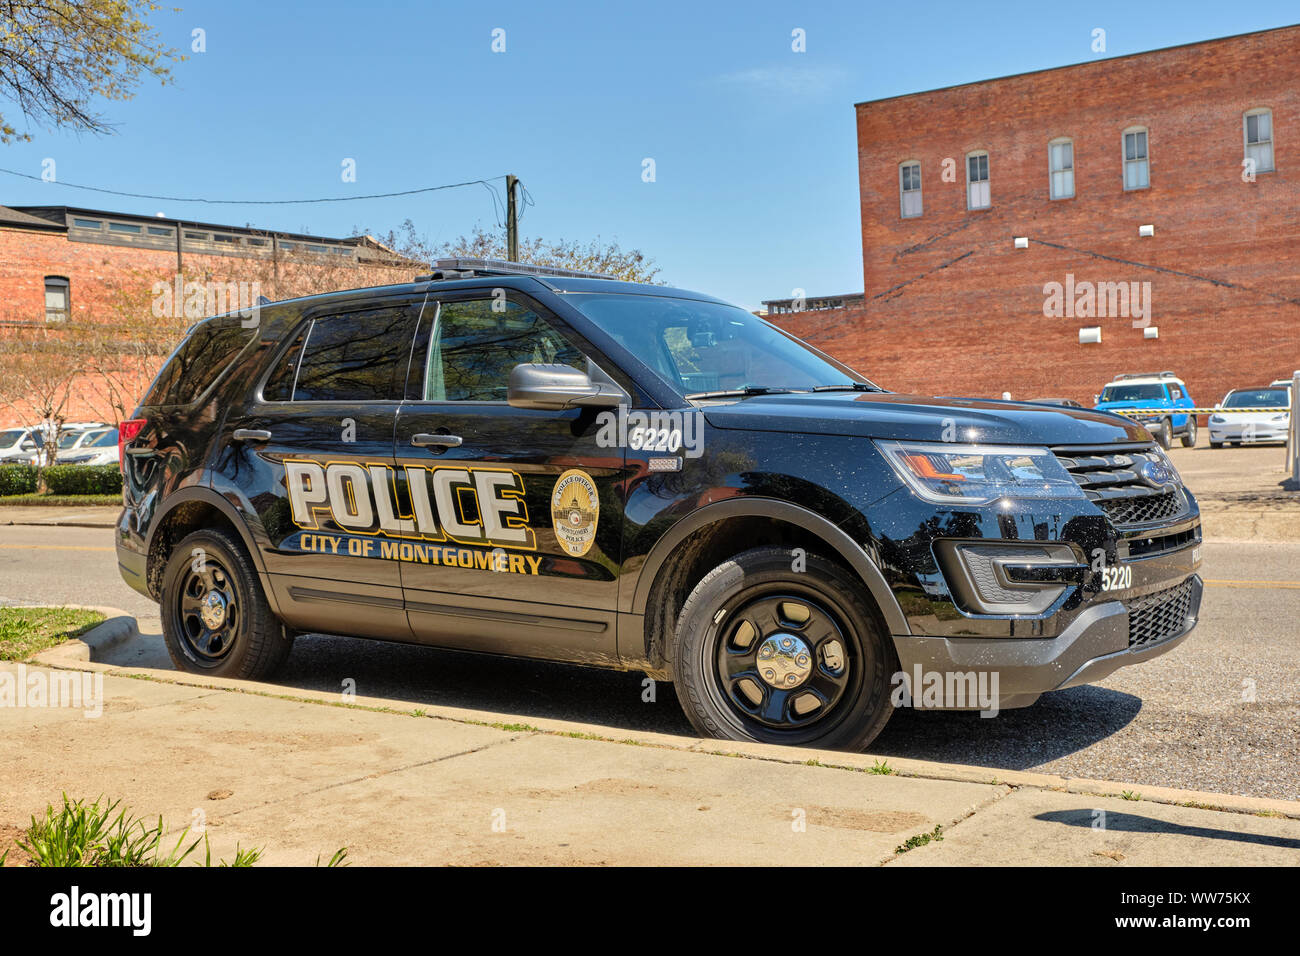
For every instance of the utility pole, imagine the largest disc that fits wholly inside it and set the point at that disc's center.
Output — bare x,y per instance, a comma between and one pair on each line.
512,220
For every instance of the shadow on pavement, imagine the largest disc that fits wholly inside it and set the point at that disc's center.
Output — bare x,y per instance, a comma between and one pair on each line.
1133,823
1058,724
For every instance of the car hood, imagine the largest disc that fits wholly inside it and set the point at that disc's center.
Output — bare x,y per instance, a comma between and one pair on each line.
921,418
1148,403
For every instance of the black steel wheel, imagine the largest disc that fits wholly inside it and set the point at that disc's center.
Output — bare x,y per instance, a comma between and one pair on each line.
215,616
768,653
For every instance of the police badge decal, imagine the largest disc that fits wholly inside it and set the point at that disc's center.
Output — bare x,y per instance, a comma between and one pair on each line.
575,509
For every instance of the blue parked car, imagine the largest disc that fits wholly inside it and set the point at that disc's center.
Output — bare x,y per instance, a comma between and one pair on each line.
1155,390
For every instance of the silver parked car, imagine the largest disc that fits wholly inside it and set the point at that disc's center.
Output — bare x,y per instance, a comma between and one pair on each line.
1248,426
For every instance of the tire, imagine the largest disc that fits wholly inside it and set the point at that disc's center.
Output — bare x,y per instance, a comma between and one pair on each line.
1215,444
1166,435
1189,436
841,657
234,635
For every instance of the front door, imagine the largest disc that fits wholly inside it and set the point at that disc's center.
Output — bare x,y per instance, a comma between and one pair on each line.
514,522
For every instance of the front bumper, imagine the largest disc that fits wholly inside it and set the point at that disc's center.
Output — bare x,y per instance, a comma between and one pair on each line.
1271,432
1098,641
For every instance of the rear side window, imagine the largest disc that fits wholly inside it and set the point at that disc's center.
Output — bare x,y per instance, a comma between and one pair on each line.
199,360
349,357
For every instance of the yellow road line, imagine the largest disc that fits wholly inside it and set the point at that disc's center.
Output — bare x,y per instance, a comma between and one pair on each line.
1288,585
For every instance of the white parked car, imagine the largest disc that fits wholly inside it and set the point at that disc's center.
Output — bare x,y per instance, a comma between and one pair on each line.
72,441
19,444
99,449
1245,427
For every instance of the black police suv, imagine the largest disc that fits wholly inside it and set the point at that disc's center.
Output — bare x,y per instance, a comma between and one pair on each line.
547,464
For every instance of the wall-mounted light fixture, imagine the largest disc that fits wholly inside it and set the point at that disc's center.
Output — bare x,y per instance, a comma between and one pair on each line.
1151,332
1022,242
1147,230
1090,335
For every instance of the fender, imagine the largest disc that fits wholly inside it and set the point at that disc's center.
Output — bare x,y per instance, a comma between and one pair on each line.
757,507
207,496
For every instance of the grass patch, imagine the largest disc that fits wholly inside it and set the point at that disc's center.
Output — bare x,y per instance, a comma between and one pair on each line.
68,500
881,767
1130,795
921,839
25,631
81,833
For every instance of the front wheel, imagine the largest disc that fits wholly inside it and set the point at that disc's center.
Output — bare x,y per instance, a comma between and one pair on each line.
1189,436
1166,435
215,616
768,653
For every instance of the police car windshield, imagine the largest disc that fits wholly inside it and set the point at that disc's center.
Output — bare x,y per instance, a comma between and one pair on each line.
704,347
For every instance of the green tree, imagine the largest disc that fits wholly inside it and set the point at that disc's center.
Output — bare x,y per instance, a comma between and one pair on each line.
58,56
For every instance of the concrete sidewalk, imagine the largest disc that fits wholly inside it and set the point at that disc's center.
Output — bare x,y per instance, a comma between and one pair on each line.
75,516
301,774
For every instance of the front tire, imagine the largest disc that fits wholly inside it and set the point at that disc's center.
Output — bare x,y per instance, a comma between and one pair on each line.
765,653
1165,437
215,616
1189,436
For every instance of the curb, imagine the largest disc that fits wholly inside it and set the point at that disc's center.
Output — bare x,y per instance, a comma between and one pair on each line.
122,627
118,629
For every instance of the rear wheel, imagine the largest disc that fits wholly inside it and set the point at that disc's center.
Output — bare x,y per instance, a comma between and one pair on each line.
766,653
215,616
1189,436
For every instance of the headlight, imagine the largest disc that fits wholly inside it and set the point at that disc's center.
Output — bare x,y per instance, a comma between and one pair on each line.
1216,419
978,474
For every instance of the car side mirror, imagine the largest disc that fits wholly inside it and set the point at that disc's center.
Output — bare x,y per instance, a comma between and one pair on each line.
558,387
1096,399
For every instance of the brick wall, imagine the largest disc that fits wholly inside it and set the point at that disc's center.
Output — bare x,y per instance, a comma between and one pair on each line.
100,276
952,307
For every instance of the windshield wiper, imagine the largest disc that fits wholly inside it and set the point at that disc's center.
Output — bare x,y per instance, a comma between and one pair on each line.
745,392
851,387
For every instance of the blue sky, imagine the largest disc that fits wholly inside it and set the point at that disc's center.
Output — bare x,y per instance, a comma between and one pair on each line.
755,189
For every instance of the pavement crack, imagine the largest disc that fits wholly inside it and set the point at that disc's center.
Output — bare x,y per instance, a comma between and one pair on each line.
375,775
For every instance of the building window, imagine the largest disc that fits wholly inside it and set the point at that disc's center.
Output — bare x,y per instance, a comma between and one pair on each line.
1259,139
909,185
977,180
1136,172
1060,165
57,300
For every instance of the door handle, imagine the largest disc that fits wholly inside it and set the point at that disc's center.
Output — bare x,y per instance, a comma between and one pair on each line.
425,440
251,434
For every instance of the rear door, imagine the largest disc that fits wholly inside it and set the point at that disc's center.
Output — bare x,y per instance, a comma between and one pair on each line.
313,452
514,515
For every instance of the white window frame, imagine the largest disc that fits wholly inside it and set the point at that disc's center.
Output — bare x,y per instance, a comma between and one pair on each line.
1271,141
986,182
1052,172
1144,162
58,285
904,193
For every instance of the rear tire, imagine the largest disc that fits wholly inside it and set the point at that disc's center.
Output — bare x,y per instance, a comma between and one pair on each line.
215,616
813,629
1189,436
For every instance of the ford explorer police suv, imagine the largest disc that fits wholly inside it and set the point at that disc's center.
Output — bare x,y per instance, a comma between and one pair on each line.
546,464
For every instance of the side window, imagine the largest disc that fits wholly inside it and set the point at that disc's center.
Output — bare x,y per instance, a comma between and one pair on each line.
909,189
1136,170
198,361
477,342
977,180
350,357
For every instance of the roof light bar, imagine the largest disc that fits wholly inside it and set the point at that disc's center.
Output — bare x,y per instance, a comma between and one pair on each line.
457,268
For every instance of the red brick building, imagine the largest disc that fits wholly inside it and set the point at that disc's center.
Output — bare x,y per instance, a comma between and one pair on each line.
994,212
62,266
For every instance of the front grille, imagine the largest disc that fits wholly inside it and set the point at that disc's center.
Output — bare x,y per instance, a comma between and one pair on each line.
1160,616
1112,481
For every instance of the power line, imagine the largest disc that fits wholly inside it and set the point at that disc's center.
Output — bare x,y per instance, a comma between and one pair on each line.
263,202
